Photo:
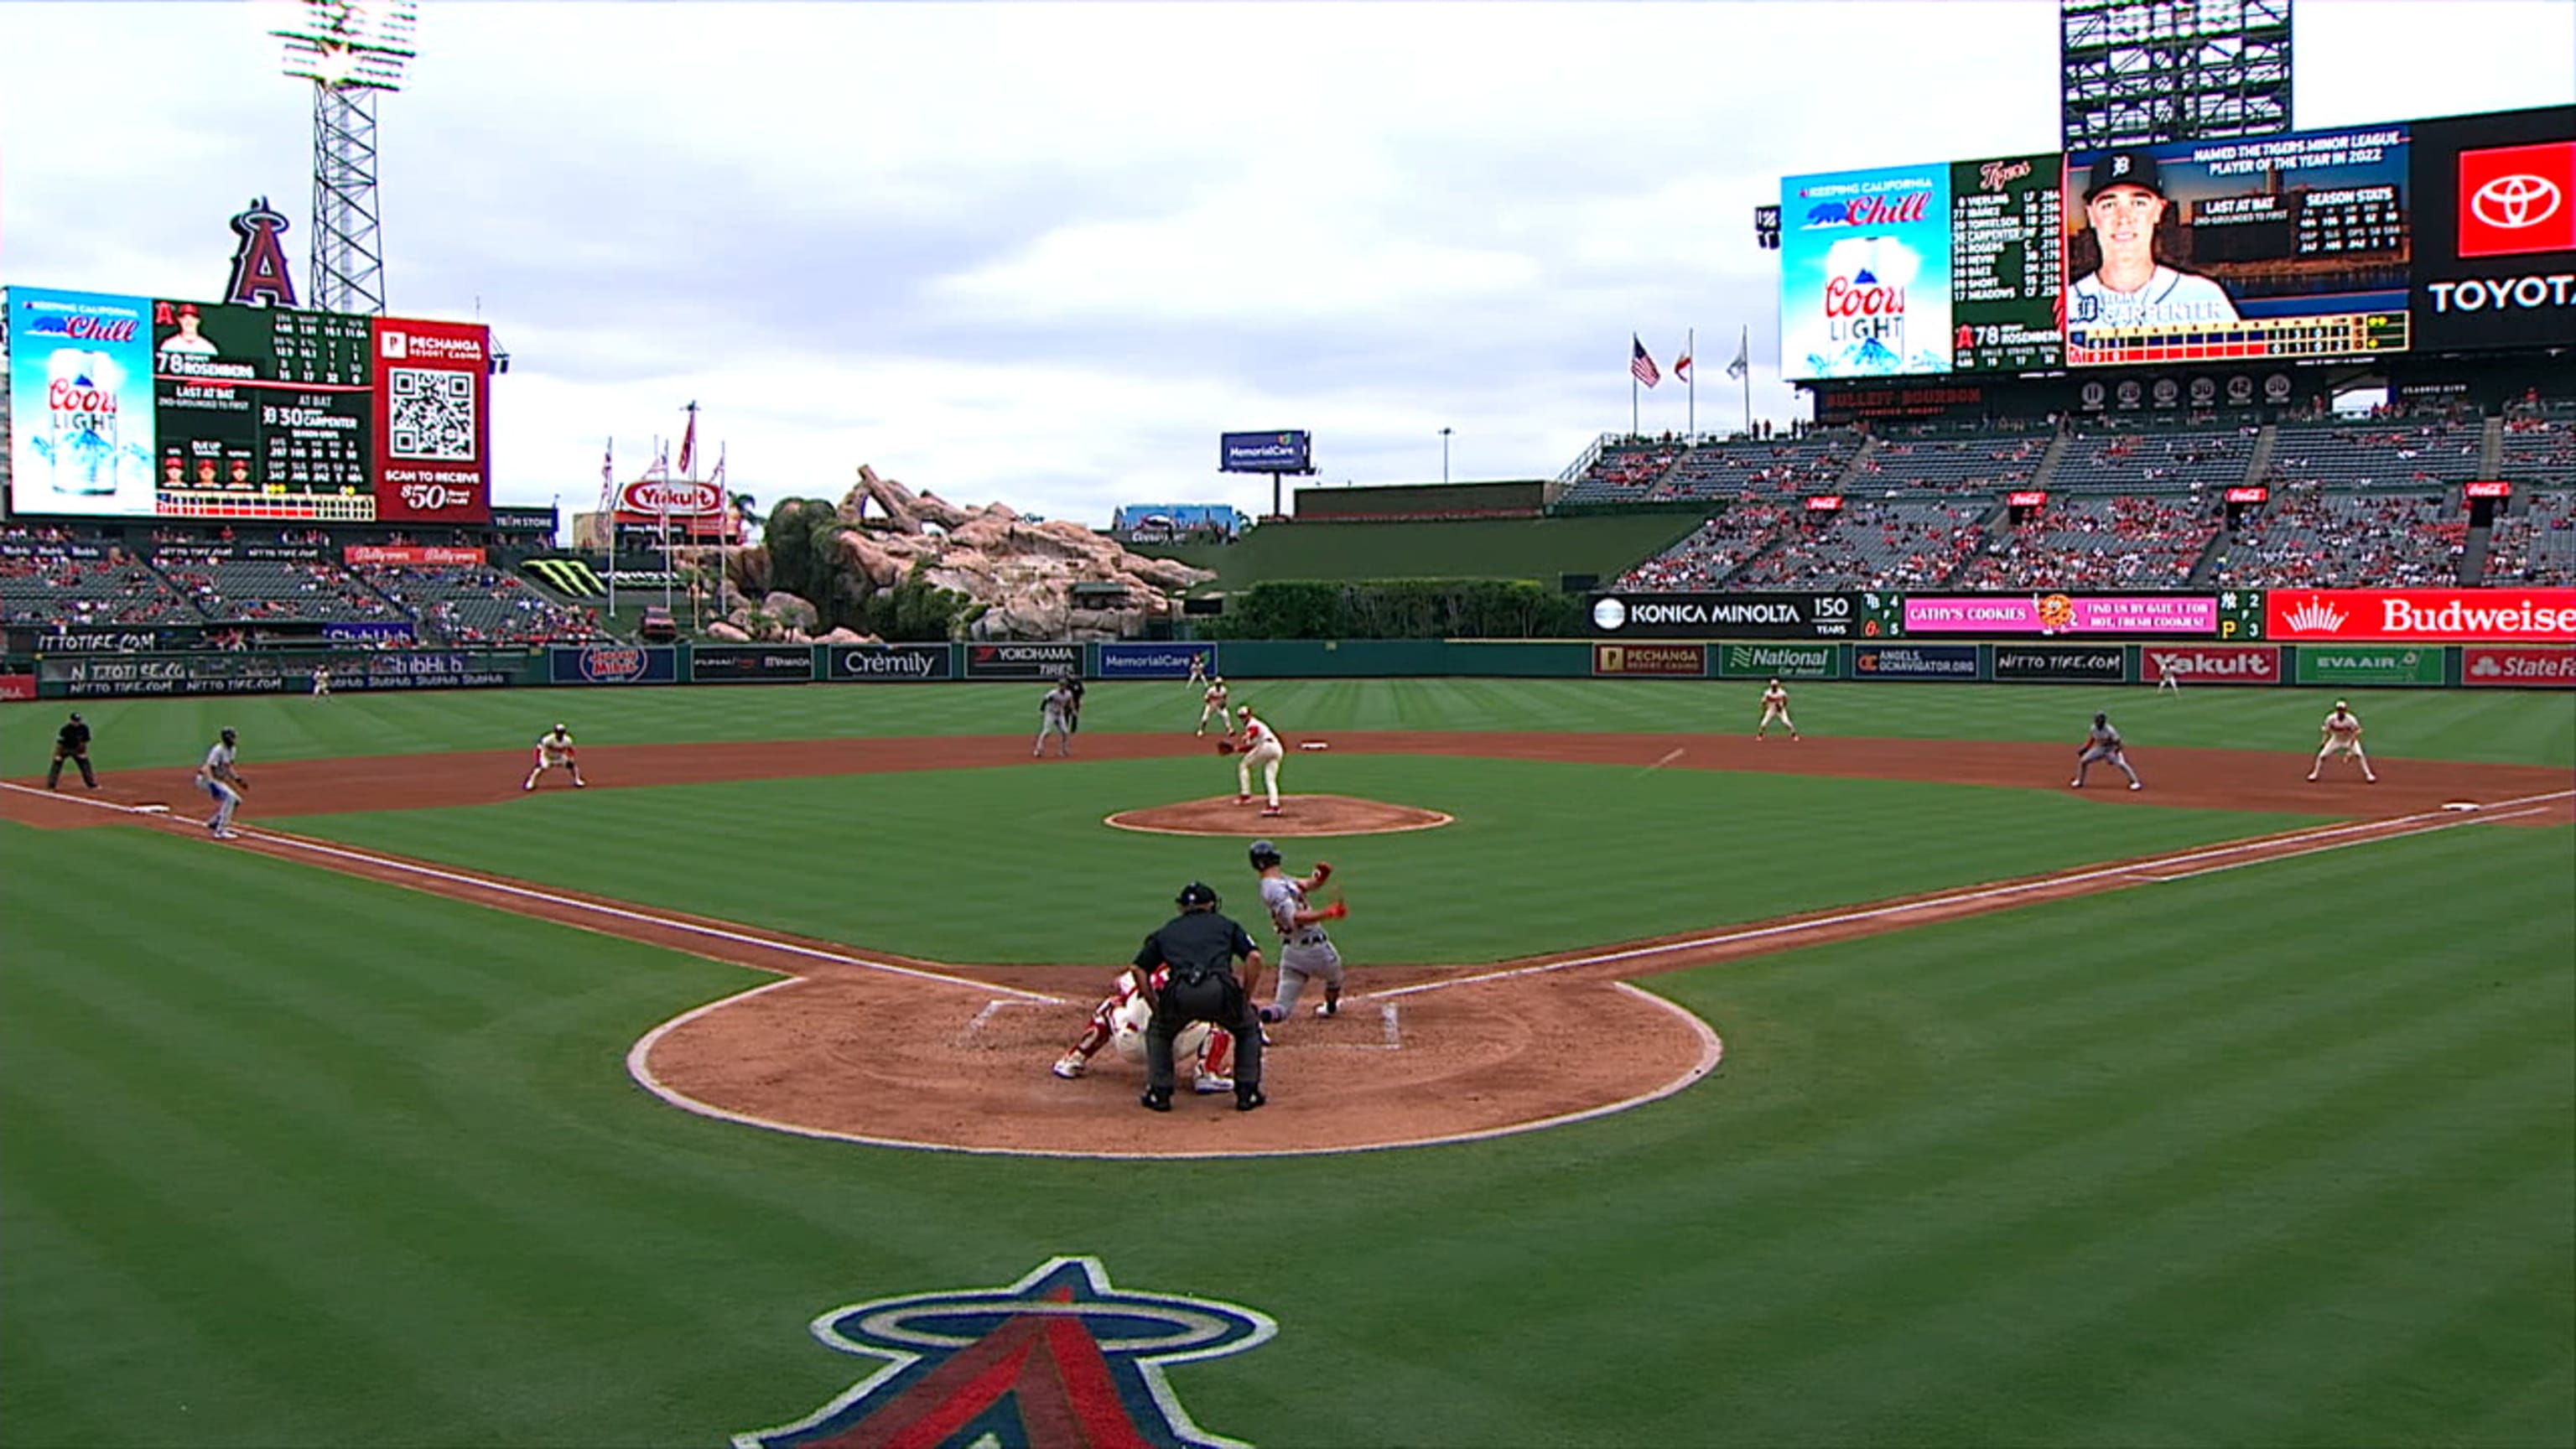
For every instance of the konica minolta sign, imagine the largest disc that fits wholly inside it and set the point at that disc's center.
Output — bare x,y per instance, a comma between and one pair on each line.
1730,616
1286,452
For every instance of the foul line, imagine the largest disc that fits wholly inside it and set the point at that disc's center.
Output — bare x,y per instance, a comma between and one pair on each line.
2375,830
2451,824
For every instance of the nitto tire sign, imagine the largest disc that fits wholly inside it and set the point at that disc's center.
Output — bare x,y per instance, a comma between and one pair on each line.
2209,663
1725,616
1155,661
1914,661
2487,667
2063,664
1780,661
1024,661
888,663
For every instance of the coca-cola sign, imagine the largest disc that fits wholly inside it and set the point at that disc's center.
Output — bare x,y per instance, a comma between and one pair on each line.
2487,488
2249,493
2423,616
2210,663
671,498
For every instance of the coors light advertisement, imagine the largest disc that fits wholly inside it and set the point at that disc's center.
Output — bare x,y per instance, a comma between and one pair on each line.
1865,273
80,400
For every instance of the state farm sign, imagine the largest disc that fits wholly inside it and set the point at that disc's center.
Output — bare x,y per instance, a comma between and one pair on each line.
674,499
2210,663
2530,667
2422,616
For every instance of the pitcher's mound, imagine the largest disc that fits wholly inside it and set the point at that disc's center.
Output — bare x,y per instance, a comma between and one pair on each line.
1298,815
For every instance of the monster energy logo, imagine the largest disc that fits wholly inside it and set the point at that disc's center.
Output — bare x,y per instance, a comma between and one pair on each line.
570,577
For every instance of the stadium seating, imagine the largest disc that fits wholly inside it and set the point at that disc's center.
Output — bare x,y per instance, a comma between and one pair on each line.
479,605
2311,537
1701,562
2535,546
2539,450
47,587
2126,461
272,590
1669,472
2378,454
1904,544
1949,465
2131,541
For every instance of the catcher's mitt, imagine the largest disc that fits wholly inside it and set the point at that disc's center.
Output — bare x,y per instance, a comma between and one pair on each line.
1225,747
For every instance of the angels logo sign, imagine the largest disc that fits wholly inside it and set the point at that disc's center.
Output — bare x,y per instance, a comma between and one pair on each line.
1057,1360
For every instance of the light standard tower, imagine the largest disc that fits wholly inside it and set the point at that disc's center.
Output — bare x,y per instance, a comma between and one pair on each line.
350,50
1444,455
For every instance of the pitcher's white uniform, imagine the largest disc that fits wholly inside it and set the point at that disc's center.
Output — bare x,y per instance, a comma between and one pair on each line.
1304,951
1120,1019
1213,707
1775,705
2342,736
555,752
1261,748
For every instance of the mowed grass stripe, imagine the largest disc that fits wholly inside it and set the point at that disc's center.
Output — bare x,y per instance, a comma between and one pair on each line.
2502,726
1014,865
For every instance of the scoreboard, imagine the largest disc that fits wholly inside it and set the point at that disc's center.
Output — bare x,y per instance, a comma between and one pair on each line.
262,413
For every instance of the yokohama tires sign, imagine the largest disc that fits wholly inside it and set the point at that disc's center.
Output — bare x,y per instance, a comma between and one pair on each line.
2210,663
2421,616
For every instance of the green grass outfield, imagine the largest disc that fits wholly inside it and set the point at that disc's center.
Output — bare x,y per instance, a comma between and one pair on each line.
2281,1155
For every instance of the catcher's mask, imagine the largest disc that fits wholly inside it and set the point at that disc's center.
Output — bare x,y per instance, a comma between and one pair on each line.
1264,855
1198,895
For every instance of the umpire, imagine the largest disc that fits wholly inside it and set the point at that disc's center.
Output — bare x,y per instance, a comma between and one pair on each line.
1200,947
71,743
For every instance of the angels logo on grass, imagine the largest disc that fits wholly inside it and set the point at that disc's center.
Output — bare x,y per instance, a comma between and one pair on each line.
1059,1358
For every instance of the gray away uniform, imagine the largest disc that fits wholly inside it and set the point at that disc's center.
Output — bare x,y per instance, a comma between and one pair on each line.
1055,717
2105,745
1305,952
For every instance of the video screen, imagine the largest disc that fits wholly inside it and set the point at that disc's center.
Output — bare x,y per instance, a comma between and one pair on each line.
258,405
2265,248
1865,272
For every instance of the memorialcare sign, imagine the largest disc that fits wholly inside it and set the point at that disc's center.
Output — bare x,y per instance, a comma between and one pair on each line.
2422,616
1155,661
2062,663
1914,661
887,663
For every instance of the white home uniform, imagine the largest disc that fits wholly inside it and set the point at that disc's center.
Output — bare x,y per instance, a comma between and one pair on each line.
1120,1020
1305,952
555,752
1213,707
1055,717
1261,750
2342,732
321,681
2169,299
1775,705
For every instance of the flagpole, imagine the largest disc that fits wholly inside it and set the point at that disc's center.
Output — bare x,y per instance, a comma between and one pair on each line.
1632,401
608,466
1690,349
1744,350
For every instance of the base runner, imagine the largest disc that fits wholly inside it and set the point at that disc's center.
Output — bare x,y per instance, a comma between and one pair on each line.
2341,735
1775,705
555,751
1119,1020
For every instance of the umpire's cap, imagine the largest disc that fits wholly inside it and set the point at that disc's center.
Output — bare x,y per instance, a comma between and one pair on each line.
1264,855
1197,895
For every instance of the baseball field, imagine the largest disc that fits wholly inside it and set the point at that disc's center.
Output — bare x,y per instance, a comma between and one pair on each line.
1941,1104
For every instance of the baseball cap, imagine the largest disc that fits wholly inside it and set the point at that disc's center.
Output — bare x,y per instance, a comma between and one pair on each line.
1197,893
2124,168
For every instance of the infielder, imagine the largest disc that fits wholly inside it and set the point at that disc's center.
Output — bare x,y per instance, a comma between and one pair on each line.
1304,950
2103,744
217,778
1775,705
1260,746
321,681
1055,717
2341,735
1213,707
555,751
1119,1020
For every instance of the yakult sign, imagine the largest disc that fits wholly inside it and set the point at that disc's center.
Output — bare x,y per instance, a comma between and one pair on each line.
2422,616
2210,664
672,498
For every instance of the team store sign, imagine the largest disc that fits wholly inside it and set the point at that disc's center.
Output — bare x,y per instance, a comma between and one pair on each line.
2421,616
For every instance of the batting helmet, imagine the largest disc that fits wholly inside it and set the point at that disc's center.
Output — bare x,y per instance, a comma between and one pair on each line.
1264,855
1197,894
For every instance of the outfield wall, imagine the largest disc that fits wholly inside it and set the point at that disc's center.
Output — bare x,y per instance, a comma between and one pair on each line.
1913,661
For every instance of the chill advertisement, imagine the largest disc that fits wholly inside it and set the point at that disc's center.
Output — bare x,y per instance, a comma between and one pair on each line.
2259,248
80,402
1865,273
2005,263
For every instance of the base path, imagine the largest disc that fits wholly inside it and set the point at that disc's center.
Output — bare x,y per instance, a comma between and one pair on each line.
870,1047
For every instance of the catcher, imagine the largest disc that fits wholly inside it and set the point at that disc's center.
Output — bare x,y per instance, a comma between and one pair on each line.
1119,1020
1305,952
555,751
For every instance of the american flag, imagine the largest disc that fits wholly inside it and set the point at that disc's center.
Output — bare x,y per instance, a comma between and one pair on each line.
1640,365
608,477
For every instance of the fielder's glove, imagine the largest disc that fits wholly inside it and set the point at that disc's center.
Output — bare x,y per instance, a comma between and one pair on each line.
1336,911
1225,747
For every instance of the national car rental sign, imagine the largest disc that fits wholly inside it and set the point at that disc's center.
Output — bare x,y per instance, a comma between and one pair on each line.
2421,616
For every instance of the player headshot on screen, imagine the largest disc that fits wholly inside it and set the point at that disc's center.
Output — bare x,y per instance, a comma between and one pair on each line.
2123,201
205,472
174,472
241,473
188,338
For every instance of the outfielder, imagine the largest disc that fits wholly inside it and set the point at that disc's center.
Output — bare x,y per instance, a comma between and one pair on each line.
1775,705
1198,666
1260,746
1305,952
1055,717
321,681
555,751
1120,1019
2103,744
1213,707
2341,735
217,778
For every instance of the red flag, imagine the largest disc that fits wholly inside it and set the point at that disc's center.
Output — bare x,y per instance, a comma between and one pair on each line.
1640,365
689,442
1681,367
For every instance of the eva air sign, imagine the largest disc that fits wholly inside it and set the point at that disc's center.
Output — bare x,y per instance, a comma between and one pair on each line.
2365,666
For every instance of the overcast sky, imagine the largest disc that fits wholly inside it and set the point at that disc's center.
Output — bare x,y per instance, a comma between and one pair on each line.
1045,253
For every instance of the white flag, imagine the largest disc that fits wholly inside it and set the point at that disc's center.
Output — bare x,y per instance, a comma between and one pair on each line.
1743,362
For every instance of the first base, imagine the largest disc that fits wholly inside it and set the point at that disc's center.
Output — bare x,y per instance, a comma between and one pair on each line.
149,809
2460,805
1313,745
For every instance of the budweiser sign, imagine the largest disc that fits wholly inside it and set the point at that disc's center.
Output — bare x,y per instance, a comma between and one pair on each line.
671,499
2422,616
2529,667
2210,663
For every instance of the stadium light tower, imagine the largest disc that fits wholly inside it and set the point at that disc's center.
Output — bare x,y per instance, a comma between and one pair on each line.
2137,72
352,51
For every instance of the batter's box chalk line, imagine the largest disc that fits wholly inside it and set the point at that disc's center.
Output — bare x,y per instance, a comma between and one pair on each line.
992,1009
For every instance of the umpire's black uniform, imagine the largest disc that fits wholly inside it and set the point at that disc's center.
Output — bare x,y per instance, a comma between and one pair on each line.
71,743
1201,947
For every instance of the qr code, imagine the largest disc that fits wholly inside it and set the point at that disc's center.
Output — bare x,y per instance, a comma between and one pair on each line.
433,414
